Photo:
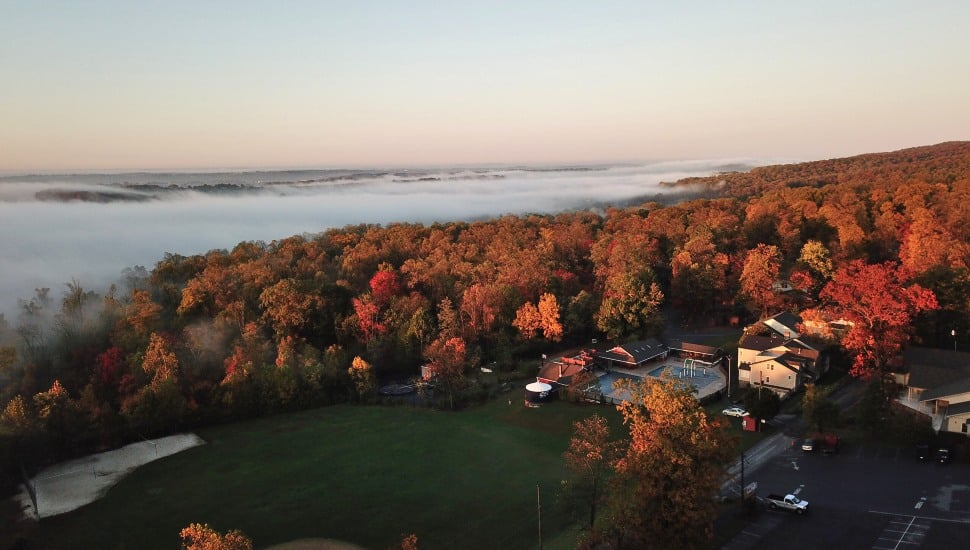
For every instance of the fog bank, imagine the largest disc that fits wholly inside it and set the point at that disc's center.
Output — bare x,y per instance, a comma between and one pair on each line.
123,220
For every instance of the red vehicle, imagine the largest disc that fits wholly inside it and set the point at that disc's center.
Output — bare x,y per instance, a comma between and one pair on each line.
828,443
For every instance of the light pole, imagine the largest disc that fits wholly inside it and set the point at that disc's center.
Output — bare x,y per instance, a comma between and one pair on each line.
953,333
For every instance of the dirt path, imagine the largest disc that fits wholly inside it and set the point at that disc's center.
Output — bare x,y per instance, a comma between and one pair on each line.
69,485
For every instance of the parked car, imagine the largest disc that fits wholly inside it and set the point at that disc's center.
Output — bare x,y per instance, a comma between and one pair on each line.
923,451
735,411
943,455
829,443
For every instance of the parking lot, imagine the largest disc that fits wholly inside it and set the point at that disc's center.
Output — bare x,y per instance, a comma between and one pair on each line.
862,497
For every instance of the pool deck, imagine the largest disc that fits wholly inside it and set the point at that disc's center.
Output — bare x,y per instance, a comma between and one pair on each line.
707,380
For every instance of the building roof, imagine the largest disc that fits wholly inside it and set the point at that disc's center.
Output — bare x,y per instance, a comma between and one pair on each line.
765,343
953,388
937,358
958,409
634,352
927,376
760,343
561,373
802,348
690,347
786,360
785,324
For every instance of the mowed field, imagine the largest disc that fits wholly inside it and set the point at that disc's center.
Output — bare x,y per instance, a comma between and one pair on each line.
363,474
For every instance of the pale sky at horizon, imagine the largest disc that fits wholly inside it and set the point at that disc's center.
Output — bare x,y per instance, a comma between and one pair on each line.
202,85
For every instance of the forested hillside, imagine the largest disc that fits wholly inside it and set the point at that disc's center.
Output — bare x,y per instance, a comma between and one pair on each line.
309,321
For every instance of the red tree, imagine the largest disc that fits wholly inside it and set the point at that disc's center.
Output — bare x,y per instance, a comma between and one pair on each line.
384,285
881,306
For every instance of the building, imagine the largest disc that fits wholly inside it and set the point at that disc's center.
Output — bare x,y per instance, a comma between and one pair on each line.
561,372
773,354
709,355
936,382
633,354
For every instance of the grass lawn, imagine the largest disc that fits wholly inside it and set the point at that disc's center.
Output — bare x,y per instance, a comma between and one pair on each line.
361,474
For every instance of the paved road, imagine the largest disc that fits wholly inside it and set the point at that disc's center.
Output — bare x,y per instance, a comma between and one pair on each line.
876,497
790,428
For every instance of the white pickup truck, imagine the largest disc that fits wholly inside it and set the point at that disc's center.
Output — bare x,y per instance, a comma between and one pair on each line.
787,502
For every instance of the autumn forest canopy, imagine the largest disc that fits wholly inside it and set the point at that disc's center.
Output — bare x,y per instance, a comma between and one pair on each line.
879,239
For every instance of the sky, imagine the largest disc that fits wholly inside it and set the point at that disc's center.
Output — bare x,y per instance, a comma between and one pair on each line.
176,85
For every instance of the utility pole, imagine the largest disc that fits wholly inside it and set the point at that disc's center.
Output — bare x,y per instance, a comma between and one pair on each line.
539,511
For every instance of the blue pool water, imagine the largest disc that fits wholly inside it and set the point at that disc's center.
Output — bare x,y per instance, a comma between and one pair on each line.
606,381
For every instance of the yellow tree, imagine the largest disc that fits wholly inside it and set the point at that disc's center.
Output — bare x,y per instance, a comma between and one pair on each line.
528,320
160,362
662,494
142,313
549,315
198,536
761,268
362,375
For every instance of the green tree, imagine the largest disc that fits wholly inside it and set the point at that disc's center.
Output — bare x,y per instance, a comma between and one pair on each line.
873,408
589,461
761,404
631,306
819,412
155,409
817,258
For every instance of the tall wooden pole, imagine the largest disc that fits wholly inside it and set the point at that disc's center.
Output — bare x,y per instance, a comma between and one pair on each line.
539,511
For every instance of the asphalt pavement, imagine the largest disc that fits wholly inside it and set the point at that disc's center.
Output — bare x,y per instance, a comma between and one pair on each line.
790,429
878,497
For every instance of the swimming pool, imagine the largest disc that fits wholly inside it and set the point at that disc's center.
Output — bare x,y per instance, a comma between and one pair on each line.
606,381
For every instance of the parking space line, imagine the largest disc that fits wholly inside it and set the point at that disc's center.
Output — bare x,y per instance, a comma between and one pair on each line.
927,518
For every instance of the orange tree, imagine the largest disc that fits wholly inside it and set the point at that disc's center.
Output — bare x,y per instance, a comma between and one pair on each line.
202,537
664,482
881,306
